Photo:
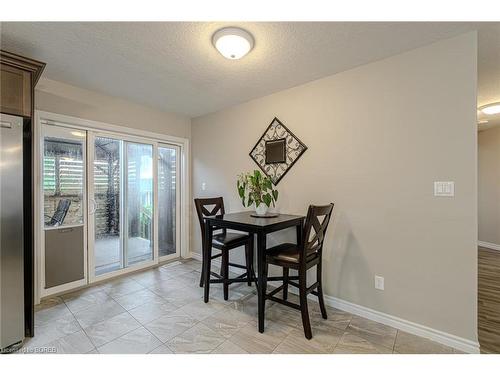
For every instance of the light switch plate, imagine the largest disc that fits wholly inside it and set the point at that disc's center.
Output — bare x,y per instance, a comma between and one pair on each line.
379,282
444,188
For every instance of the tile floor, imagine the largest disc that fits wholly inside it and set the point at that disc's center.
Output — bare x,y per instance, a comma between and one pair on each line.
160,311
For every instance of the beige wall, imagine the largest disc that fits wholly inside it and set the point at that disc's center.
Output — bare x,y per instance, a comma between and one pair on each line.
59,97
489,185
378,136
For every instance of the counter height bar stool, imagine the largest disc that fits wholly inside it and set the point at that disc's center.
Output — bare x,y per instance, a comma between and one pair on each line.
224,242
306,254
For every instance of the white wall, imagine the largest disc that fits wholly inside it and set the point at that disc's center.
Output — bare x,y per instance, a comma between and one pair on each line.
59,97
378,136
489,185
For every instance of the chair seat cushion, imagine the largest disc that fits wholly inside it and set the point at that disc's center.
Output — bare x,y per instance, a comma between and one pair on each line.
287,252
229,239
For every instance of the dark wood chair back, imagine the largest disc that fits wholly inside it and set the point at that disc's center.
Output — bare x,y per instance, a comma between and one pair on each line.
315,227
208,207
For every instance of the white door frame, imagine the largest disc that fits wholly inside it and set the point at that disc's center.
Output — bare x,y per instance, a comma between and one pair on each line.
183,199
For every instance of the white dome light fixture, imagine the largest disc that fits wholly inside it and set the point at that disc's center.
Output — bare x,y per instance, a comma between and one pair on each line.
490,109
232,42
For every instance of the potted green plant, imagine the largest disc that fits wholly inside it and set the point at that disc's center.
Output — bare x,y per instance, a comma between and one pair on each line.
257,189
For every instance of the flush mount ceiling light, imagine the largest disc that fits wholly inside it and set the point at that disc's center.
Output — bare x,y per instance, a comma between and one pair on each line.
490,109
232,42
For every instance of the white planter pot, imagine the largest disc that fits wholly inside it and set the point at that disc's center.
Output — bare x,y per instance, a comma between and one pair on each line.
261,209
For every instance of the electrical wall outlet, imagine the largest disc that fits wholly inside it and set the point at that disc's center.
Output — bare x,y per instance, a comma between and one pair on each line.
379,282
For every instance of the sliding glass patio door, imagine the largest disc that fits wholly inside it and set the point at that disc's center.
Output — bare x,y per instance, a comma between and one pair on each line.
138,203
168,200
106,204
122,204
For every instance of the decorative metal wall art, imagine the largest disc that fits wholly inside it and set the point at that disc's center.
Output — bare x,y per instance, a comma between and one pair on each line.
277,151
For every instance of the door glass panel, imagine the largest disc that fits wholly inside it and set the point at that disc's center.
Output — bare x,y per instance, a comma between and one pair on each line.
107,192
139,202
167,179
63,173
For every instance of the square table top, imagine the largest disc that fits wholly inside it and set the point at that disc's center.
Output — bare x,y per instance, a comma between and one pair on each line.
245,220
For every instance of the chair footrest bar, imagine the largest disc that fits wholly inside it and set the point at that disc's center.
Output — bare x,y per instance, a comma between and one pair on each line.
280,278
230,281
215,275
283,302
276,290
312,287
237,265
294,284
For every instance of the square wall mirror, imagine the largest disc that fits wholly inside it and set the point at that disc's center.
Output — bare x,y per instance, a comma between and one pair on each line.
276,151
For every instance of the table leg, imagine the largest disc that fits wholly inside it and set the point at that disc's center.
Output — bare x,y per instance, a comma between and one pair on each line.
299,229
262,278
207,249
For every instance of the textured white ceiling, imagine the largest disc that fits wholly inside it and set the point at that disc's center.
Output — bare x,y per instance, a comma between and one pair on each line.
173,66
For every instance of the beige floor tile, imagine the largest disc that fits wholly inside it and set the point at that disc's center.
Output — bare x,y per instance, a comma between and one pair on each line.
53,330
191,279
180,296
332,314
81,301
198,339
406,343
170,325
323,341
352,344
251,340
374,332
284,315
162,349
228,321
248,305
150,278
135,299
166,286
121,287
48,314
151,311
98,313
194,264
110,329
174,270
236,293
201,310
139,341
168,301
75,343
228,347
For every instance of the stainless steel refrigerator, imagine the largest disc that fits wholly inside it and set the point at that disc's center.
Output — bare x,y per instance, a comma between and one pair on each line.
11,232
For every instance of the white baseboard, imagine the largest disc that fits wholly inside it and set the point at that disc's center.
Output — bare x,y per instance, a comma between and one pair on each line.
462,344
489,245
196,256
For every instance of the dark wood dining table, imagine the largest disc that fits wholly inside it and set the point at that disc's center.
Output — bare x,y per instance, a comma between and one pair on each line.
261,227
